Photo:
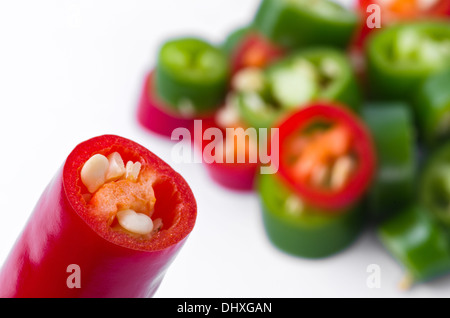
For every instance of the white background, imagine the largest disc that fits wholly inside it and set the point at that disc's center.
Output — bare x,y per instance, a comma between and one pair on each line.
72,70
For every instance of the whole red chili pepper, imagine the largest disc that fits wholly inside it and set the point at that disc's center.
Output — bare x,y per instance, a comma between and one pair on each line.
62,234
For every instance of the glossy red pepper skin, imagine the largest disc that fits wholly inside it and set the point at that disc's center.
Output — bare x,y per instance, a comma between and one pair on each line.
61,232
155,116
364,148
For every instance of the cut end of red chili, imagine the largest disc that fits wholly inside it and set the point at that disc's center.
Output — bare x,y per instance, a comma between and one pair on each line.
128,195
327,156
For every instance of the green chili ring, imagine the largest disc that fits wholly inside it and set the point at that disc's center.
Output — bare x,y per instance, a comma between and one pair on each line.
309,233
418,242
433,108
191,73
393,131
323,73
435,184
300,23
400,57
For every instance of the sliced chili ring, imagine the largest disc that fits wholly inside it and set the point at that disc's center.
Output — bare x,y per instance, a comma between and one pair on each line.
394,184
254,51
156,116
191,73
432,106
302,230
359,146
435,185
300,23
418,242
400,57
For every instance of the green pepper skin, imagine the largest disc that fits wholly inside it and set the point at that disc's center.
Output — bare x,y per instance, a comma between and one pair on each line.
418,242
392,128
435,184
192,71
389,79
432,107
344,88
297,24
309,234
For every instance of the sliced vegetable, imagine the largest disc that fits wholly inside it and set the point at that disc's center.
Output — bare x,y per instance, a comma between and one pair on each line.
327,156
393,131
432,106
315,73
301,229
397,11
253,50
157,116
302,23
116,212
191,74
260,97
435,184
229,163
418,242
400,57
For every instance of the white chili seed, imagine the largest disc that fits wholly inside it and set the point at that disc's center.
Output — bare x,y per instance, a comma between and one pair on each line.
134,222
116,167
248,80
93,173
132,170
320,175
341,172
228,116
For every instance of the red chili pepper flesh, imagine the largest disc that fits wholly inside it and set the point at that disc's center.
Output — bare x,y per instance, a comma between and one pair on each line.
327,156
63,231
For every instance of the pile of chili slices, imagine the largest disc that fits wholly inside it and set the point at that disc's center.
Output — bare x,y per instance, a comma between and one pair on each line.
360,104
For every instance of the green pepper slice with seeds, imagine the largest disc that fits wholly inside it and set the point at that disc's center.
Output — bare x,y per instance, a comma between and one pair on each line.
263,96
399,58
315,73
300,23
191,73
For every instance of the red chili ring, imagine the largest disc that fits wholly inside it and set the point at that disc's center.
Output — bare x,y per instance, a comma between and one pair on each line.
154,115
332,201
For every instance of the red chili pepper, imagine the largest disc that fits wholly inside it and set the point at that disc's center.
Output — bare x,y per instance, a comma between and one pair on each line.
61,233
157,117
255,51
232,175
302,151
